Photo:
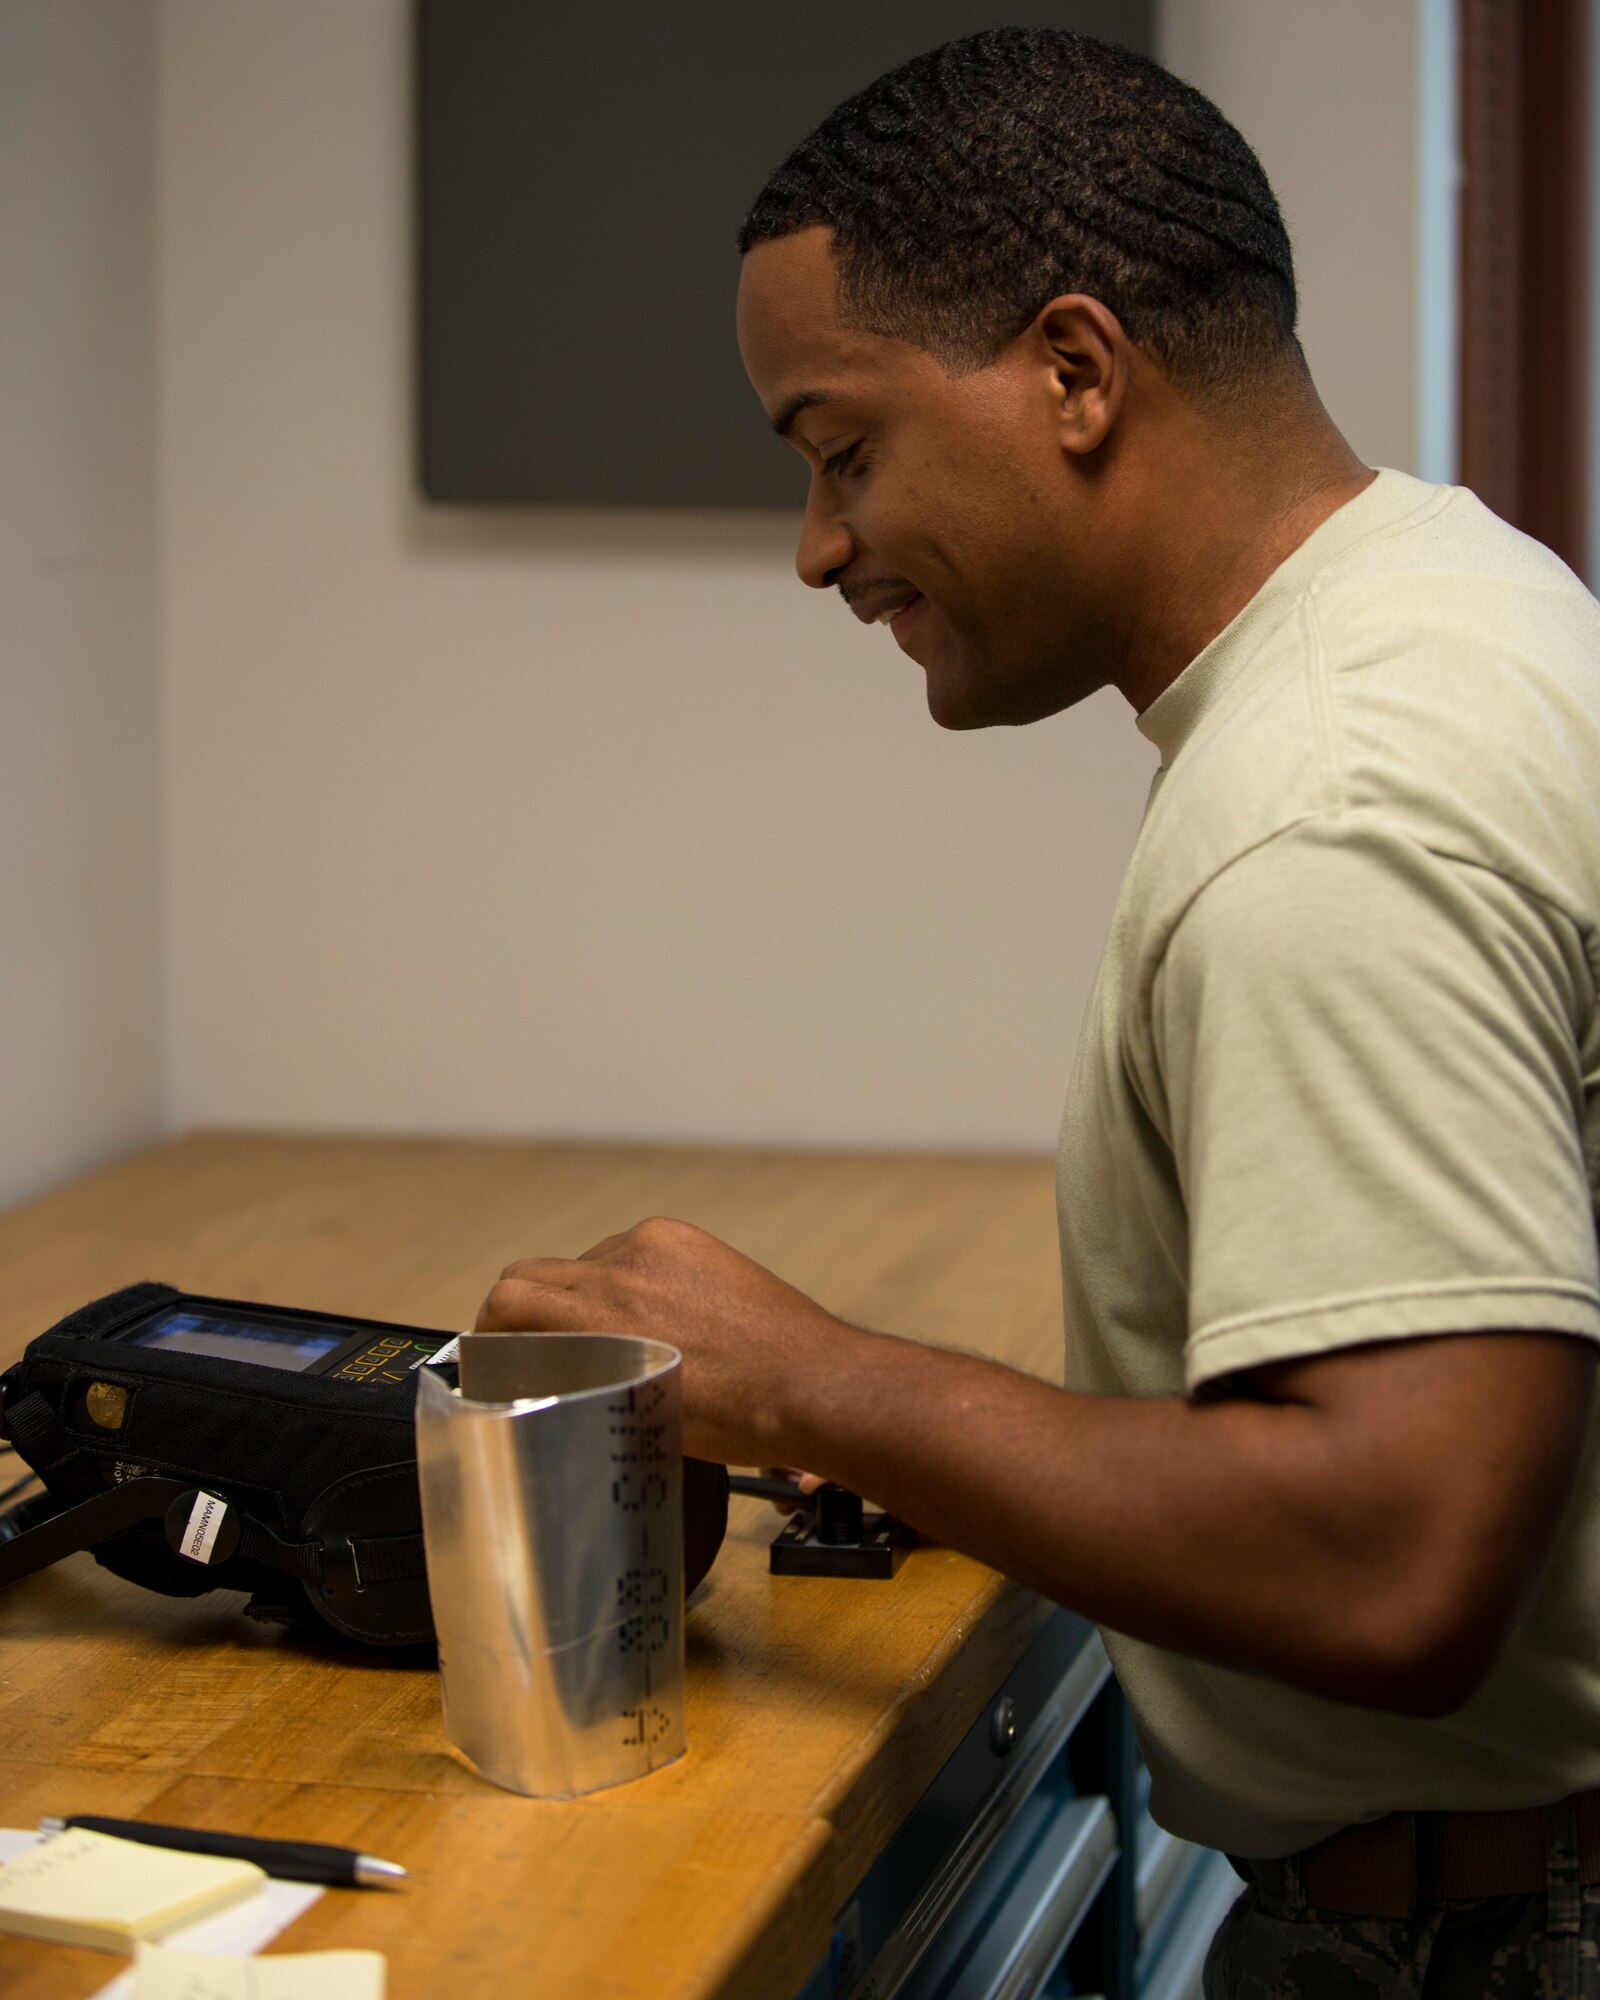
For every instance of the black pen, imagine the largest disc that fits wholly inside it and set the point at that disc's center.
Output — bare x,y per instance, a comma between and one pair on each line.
289,1860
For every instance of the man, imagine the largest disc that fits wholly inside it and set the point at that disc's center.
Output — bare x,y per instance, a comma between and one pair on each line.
1324,1468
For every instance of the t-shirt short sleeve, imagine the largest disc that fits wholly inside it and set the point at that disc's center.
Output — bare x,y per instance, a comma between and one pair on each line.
1366,1056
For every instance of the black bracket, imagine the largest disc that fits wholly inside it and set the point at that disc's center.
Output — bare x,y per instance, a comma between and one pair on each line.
840,1538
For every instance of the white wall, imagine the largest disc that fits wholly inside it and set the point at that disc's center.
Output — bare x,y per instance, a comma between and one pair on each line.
1328,95
533,822
79,770
544,821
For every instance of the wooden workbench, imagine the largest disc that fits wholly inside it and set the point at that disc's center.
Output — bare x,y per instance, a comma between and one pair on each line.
818,1711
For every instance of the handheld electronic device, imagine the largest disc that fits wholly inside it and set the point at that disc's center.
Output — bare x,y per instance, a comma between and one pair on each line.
199,1443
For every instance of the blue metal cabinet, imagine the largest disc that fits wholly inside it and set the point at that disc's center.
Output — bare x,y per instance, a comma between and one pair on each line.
1030,1869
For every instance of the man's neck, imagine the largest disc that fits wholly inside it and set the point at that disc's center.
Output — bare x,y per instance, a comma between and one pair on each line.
1228,500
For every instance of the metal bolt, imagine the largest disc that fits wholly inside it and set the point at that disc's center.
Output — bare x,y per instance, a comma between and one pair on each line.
1003,1726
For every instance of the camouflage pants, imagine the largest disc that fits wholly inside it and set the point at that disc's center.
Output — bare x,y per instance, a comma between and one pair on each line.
1540,1947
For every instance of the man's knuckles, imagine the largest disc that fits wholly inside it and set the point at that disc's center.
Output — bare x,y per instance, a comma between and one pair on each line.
498,1308
520,1302
663,1235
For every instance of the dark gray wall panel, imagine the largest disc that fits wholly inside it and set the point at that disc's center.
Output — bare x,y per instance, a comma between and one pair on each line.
583,170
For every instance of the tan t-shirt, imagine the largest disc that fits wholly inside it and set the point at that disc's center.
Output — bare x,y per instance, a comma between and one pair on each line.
1340,1082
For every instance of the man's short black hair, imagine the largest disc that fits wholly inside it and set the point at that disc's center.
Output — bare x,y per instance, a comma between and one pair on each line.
974,184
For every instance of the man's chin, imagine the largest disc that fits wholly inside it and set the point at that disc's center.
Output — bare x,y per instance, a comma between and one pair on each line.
964,701
957,713
956,694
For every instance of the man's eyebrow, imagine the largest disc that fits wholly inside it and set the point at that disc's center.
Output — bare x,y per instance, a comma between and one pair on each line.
807,399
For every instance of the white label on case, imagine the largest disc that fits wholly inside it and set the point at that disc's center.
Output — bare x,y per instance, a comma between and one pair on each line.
205,1519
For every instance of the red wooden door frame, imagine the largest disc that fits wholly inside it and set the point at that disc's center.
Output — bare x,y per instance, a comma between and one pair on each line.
1524,373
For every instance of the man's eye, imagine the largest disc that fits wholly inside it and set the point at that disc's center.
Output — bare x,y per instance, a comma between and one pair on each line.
841,459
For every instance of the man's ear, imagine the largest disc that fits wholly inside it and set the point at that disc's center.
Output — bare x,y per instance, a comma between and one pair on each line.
1088,355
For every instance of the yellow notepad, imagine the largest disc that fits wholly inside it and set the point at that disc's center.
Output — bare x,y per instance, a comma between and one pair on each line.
87,1888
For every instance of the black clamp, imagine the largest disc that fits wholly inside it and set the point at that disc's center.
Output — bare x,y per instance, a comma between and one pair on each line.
840,1538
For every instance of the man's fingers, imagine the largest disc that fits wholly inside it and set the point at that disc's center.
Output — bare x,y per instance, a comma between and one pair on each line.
805,1483
531,1305
557,1272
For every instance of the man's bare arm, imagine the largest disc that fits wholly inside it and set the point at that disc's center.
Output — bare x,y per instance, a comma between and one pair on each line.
1368,1525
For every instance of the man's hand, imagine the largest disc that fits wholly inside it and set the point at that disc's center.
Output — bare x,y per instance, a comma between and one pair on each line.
744,1334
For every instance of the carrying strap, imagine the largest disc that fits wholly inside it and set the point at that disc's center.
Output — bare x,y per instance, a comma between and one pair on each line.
376,1559
49,1447
109,1512
91,1521
388,1559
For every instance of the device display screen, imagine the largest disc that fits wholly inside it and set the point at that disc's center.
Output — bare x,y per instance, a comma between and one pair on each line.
269,1343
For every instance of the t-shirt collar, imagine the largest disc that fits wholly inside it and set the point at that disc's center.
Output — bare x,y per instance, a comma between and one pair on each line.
1171,718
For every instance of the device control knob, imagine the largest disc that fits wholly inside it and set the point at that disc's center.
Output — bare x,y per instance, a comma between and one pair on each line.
839,1516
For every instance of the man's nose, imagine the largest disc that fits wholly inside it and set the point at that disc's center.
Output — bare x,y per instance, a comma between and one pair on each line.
826,544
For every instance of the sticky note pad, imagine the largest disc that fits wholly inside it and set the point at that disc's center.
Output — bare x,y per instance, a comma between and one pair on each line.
88,1888
160,1973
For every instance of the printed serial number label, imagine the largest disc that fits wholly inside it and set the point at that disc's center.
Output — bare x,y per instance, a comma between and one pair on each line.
205,1523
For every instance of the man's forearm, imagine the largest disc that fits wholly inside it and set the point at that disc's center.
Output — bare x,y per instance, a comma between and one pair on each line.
1226,1530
